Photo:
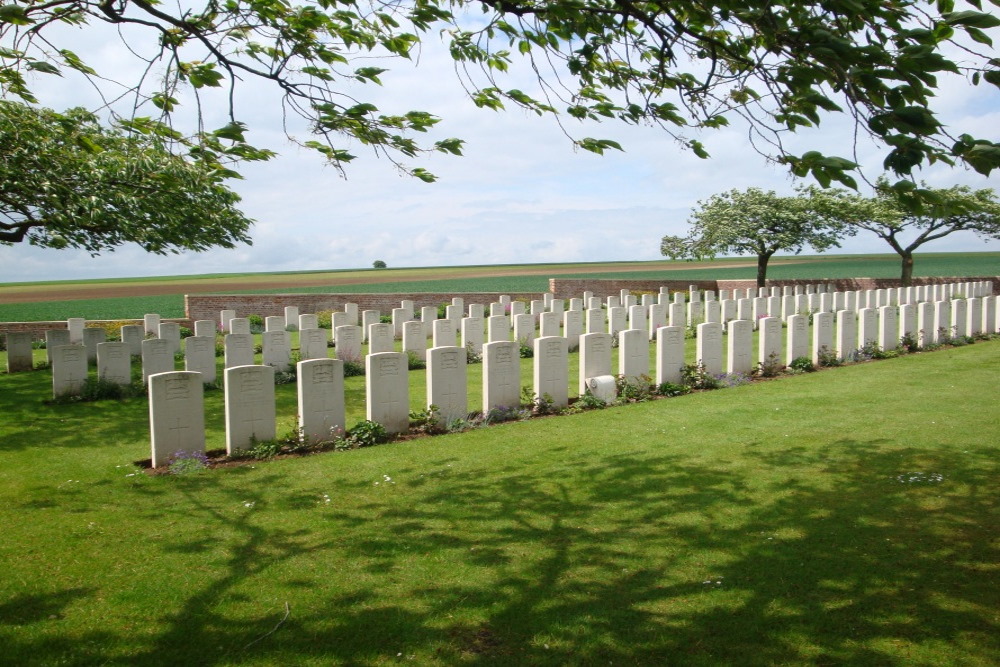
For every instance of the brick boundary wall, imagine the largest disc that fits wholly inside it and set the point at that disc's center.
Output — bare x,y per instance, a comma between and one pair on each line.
208,306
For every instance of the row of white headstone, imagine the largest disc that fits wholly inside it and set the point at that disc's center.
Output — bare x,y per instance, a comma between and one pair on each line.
249,389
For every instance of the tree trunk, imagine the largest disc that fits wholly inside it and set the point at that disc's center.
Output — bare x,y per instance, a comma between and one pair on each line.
906,278
762,260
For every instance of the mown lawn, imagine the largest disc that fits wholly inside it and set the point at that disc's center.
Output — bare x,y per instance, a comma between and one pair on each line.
845,516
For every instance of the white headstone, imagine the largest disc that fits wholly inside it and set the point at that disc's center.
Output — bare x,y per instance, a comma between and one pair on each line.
291,317
501,375
55,337
443,334
152,323
633,353
497,309
925,323
308,321
739,344
695,313
594,303
413,339
942,321
974,316
557,306
454,315
171,332
989,314
204,328
477,310
551,370
274,323
114,363
959,317
250,411
595,357
380,338
537,307
238,350
612,302
847,334
399,316
312,343
91,337
347,341
638,318
709,347
669,354
888,328
351,310
595,321
822,336
368,318
504,299
908,321
224,317
575,304
548,324
277,350
769,341
798,338
157,357
199,357
428,315
617,319
407,306
472,334
69,370
867,327
497,328
321,399
657,319
239,325
387,390
176,415
572,328
19,355
341,320
713,311
676,315
446,382
524,329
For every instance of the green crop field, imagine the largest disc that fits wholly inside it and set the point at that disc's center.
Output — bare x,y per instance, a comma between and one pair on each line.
848,516
465,279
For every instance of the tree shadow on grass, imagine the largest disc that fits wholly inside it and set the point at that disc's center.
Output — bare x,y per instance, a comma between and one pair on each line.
831,554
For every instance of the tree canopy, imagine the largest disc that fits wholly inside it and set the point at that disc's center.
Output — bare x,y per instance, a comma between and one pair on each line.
752,222
68,182
684,65
888,216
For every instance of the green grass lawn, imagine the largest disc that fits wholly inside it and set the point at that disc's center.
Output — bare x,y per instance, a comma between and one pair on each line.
845,516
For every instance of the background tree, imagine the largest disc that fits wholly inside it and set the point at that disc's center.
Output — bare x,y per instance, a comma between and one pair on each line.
68,182
752,222
681,64
889,216
378,264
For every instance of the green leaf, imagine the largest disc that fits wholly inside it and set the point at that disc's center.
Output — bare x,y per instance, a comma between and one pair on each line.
232,131
14,14
424,175
978,35
992,76
699,149
971,18
42,66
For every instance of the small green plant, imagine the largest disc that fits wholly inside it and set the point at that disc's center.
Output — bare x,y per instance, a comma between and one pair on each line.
261,450
256,324
426,421
324,319
503,413
539,405
187,463
413,361
385,319
633,390
697,376
671,389
801,365
770,367
828,358
471,356
102,389
526,351
909,343
588,402
367,434
353,368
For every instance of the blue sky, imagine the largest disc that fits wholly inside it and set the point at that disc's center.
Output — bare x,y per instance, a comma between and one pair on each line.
521,193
